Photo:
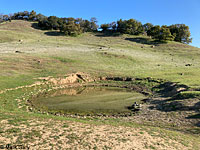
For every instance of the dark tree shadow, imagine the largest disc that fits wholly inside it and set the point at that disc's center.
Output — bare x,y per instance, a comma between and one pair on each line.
177,105
35,26
197,105
107,34
168,105
168,89
54,33
169,101
198,125
196,116
49,33
147,41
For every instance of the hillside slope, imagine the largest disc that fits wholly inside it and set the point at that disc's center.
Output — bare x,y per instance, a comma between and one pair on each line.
28,53
124,55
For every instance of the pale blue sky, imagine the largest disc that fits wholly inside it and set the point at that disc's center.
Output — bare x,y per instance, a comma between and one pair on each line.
158,12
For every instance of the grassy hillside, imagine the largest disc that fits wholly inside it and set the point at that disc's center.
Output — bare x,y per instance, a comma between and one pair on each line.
125,55
27,53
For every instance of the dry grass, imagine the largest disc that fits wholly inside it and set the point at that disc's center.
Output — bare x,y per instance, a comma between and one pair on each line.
51,134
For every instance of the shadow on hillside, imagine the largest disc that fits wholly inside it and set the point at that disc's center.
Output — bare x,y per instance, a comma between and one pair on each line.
196,116
49,33
107,34
169,105
35,26
54,33
169,89
147,41
169,100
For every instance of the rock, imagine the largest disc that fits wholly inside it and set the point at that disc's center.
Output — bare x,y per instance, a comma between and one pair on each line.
136,107
188,65
127,79
18,52
181,89
153,46
103,78
4,122
20,40
146,100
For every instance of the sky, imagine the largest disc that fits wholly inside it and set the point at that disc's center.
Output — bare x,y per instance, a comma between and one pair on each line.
157,12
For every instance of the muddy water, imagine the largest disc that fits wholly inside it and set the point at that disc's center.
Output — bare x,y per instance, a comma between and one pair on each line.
89,100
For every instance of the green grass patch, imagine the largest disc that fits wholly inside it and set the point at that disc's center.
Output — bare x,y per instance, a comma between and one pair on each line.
188,94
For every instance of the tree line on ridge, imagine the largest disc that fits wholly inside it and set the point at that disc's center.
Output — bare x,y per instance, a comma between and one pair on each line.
75,26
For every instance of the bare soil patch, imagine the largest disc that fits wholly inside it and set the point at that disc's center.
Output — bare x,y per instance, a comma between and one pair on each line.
51,134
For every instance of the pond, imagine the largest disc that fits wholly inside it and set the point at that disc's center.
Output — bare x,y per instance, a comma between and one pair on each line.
88,101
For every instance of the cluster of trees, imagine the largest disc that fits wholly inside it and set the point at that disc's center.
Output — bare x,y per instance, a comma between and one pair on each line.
4,18
73,27
130,26
25,15
69,26
177,32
